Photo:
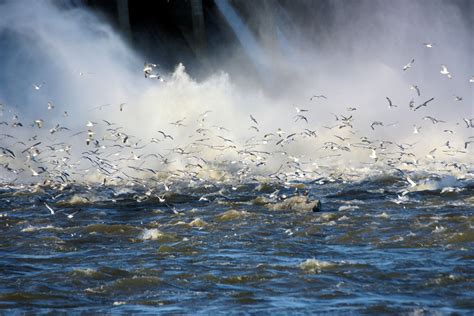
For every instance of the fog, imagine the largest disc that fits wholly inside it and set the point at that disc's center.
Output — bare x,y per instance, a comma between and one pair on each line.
355,58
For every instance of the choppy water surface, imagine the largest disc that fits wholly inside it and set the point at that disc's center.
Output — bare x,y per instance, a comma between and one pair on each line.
221,248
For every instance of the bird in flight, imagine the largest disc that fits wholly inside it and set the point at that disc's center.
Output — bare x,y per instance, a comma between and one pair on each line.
423,104
433,120
409,65
253,119
318,97
301,117
469,122
298,110
390,104
37,86
375,123
444,71
148,68
415,87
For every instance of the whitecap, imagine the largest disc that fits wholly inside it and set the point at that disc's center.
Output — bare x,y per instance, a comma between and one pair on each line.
383,215
315,266
348,207
439,229
151,234
31,228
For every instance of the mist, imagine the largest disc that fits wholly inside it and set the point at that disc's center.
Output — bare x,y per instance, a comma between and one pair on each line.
355,59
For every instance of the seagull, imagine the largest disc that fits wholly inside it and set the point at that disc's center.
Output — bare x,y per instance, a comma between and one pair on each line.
37,86
444,71
471,80
301,117
72,214
90,124
108,123
416,130
457,98
57,128
412,183
205,113
31,147
469,122
165,135
225,139
390,104
300,110
341,138
375,123
415,87
49,208
373,155
318,97
50,105
148,68
39,123
431,154
423,104
411,104
433,120
100,107
81,73
407,66
121,106
253,119
156,76
8,152
429,45
178,122
33,172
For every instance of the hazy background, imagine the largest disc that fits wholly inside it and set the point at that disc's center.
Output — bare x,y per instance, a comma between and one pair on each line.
353,52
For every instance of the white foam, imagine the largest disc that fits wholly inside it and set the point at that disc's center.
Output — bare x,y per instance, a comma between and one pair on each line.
30,228
315,266
151,234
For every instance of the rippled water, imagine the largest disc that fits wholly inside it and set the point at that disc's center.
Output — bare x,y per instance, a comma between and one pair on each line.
221,248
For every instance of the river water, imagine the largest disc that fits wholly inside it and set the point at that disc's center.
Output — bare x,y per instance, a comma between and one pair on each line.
217,248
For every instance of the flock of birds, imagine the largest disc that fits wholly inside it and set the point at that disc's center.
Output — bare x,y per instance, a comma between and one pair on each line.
59,156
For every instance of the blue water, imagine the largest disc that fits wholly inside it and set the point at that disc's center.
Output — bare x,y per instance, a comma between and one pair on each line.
362,252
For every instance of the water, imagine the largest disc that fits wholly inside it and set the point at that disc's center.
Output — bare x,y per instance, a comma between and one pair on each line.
369,250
